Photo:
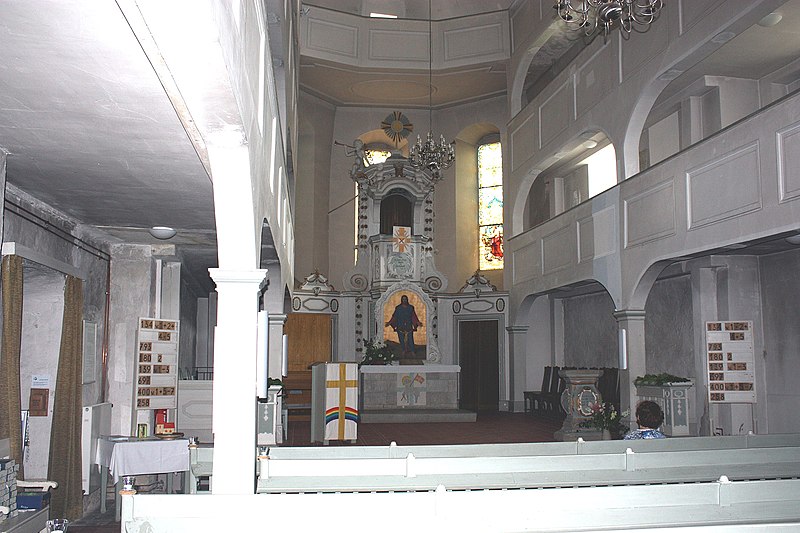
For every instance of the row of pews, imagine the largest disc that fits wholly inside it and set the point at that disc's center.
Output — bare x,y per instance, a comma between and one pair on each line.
741,483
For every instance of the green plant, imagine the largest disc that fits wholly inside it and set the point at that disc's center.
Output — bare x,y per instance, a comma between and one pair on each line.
377,353
659,379
605,416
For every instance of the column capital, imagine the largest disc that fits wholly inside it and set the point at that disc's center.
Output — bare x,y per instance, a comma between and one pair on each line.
517,329
277,319
629,314
257,275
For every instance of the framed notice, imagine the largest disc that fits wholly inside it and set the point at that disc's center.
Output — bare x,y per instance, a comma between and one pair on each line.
157,364
730,362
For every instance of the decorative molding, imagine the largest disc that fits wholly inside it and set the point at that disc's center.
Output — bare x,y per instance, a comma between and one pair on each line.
393,45
523,140
316,283
557,120
333,38
474,42
597,234
650,214
724,188
559,250
788,156
477,284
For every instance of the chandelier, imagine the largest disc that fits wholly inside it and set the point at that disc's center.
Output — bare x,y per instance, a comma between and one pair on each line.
432,155
591,15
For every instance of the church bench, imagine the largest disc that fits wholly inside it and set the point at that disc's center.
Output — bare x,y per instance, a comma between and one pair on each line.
539,448
464,473
720,505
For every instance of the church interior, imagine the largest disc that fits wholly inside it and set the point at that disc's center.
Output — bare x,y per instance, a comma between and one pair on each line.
224,219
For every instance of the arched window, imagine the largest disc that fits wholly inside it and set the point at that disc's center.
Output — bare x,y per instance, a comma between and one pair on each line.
490,206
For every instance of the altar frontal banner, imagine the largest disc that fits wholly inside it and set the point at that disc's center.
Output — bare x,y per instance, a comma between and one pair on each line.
341,401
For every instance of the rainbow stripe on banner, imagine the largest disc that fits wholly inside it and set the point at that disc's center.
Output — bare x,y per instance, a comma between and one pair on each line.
332,414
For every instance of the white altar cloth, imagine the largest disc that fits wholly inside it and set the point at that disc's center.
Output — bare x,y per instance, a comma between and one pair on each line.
128,456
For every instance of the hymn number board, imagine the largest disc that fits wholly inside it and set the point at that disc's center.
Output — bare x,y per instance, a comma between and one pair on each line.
157,364
731,362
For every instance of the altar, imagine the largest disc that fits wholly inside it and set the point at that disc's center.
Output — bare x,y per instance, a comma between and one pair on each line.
395,300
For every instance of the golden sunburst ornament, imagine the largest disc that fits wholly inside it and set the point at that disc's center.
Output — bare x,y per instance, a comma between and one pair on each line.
397,127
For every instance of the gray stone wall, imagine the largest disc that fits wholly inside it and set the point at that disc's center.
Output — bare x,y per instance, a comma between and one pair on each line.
590,331
668,328
780,293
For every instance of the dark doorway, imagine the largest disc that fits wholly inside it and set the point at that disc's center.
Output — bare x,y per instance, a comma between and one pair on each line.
396,210
480,370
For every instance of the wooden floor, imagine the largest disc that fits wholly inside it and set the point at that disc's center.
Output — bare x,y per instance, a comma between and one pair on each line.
489,428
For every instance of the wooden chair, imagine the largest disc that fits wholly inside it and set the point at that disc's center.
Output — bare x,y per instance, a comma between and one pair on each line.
552,400
533,399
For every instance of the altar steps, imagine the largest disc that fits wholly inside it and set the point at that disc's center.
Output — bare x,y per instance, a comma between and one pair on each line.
417,416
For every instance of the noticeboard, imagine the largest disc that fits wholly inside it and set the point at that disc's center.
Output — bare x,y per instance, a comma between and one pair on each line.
730,362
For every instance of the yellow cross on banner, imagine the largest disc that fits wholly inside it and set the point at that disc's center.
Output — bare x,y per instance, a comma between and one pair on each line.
342,384
401,238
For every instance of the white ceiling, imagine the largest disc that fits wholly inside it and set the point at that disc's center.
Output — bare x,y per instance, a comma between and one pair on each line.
91,131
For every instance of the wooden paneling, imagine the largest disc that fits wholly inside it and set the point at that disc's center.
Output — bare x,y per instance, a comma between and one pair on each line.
309,339
309,342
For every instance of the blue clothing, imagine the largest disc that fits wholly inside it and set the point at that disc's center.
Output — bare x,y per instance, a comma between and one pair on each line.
639,434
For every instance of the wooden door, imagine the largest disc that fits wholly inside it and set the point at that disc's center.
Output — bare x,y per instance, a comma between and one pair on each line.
480,365
309,341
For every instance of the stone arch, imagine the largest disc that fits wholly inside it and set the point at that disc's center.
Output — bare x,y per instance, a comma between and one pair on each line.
573,149
644,284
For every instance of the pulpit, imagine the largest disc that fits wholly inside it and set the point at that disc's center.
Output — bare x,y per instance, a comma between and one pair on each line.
334,402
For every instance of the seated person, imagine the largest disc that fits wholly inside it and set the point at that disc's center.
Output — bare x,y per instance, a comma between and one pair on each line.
649,417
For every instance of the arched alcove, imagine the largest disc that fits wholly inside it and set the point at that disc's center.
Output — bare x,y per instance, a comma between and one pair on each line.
583,168
397,209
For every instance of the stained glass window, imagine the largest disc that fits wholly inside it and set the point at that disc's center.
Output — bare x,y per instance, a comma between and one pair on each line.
375,157
490,206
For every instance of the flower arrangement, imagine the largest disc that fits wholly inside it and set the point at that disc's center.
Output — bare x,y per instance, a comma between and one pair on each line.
658,379
606,416
377,353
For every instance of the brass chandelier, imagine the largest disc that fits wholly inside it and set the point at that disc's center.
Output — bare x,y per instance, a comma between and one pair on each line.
434,156
594,16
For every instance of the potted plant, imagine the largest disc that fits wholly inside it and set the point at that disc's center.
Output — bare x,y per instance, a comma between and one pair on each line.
671,392
377,353
607,419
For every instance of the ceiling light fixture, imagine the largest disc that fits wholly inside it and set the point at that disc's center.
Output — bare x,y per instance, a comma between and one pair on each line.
594,16
434,156
770,20
162,232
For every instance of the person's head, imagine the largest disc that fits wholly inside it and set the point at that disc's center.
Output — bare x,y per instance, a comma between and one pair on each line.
404,299
358,144
649,415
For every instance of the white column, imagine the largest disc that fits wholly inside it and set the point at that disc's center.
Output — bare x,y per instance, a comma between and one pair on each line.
234,414
275,350
632,322
517,341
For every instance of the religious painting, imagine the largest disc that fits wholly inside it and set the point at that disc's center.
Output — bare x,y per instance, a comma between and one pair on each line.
411,389
405,324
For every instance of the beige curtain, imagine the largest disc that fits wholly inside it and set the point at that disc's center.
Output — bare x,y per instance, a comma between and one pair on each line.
65,436
10,402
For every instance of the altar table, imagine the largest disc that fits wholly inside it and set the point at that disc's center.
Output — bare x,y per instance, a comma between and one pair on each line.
130,456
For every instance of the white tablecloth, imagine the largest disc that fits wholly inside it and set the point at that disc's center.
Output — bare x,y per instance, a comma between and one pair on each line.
131,456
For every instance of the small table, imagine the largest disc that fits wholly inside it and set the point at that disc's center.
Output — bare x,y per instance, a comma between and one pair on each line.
130,456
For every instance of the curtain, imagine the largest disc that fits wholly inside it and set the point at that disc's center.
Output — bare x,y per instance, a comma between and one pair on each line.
10,402
65,436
